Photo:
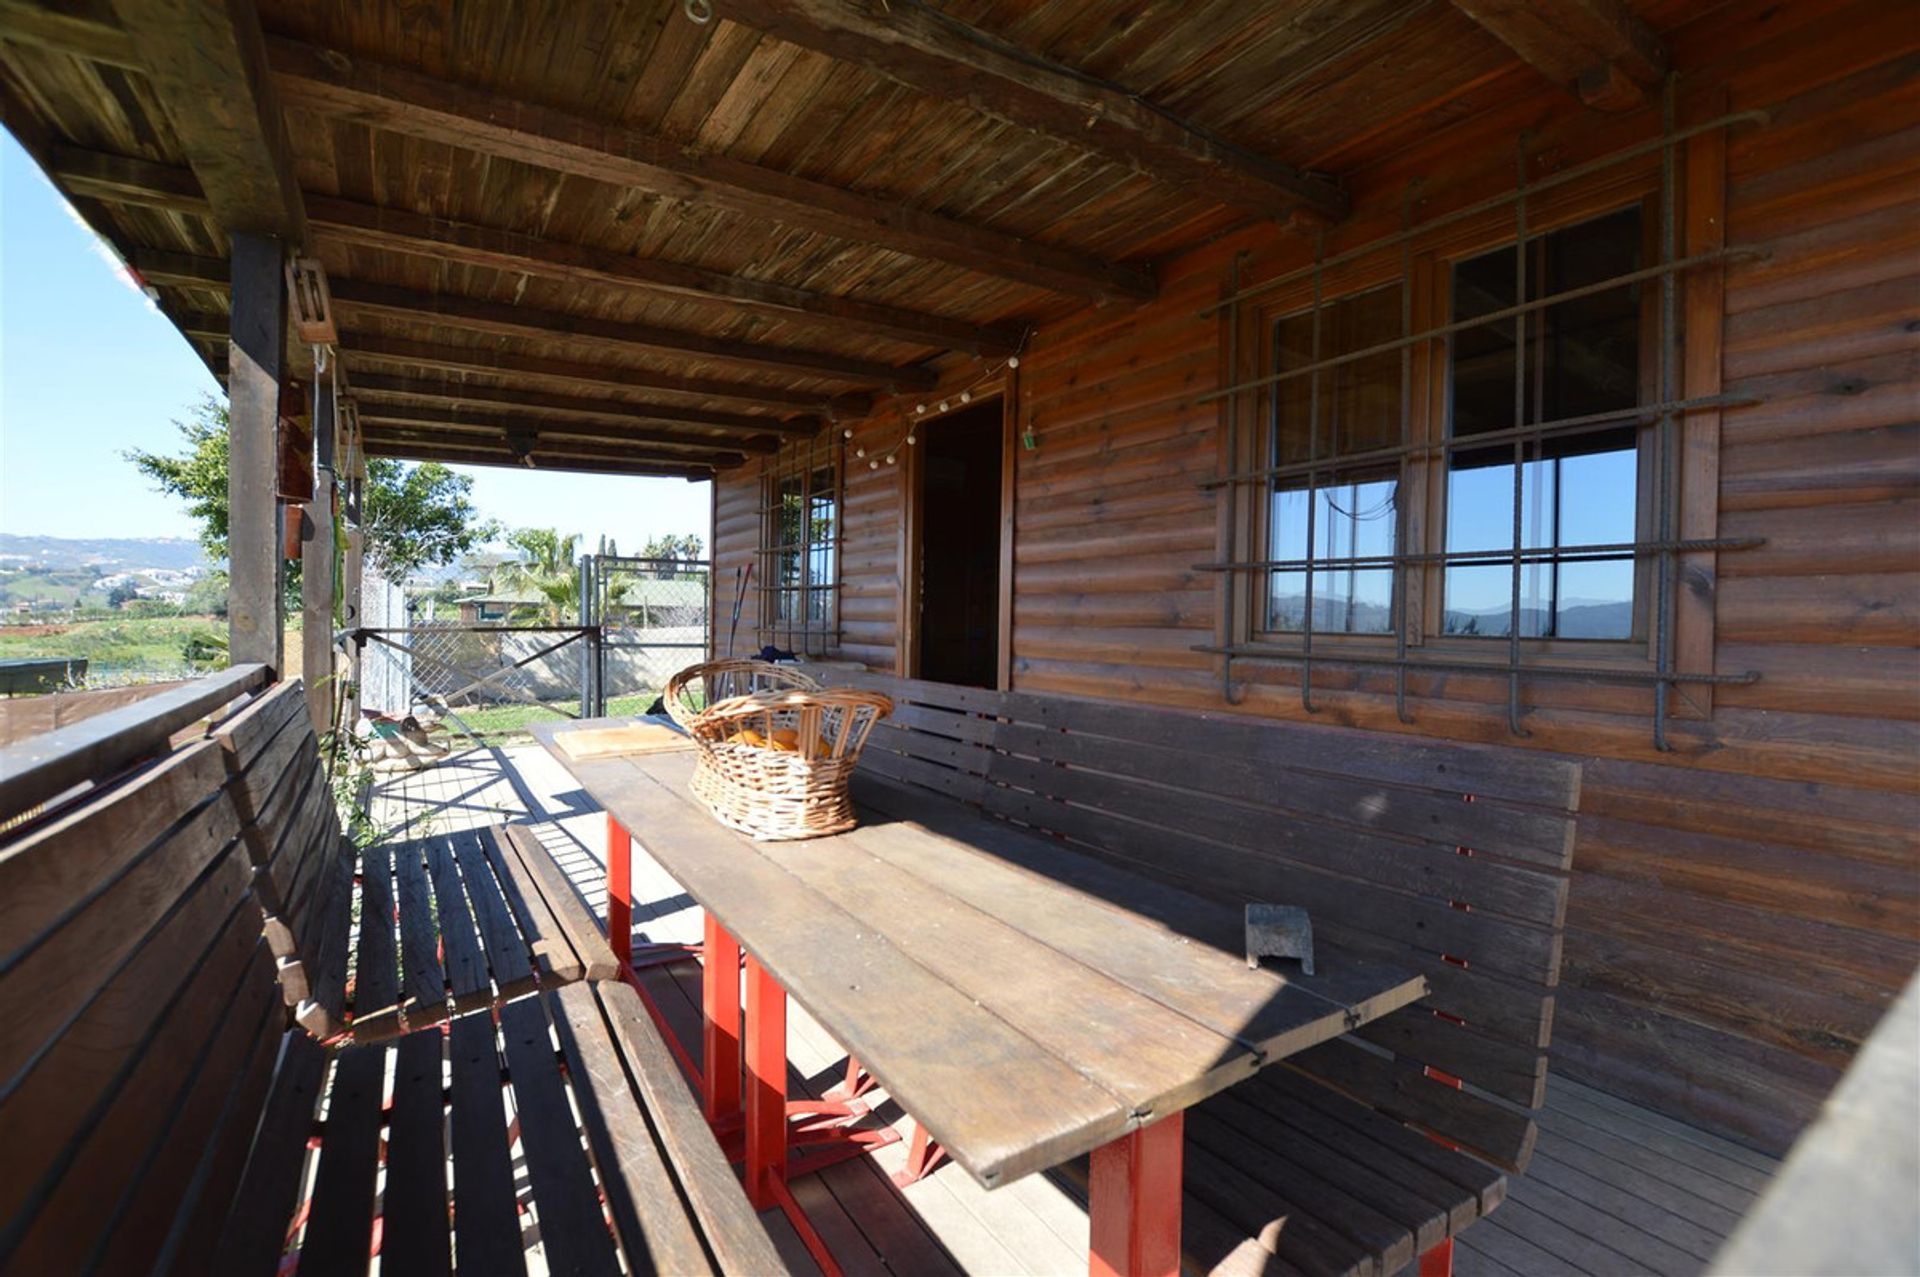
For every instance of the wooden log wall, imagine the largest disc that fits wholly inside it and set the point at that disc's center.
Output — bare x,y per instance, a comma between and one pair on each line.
1744,908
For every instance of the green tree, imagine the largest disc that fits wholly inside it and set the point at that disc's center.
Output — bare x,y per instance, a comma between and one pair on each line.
547,566
413,516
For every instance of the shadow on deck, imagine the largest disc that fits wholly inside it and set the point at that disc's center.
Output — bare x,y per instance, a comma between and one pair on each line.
1613,1188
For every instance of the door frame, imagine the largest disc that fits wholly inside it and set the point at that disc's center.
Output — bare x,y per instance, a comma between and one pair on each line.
907,623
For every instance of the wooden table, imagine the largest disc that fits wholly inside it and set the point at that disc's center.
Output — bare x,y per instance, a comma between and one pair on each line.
1026,1004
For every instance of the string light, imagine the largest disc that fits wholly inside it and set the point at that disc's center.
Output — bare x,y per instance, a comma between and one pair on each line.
908,438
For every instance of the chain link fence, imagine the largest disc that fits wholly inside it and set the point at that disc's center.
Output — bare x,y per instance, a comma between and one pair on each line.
644,619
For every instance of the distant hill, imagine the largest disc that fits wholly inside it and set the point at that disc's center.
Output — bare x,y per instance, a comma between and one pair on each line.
107,553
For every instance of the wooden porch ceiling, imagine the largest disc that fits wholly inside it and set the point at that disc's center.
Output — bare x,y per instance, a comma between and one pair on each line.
671,244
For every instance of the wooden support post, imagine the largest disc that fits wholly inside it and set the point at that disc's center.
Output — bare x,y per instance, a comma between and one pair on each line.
1133,1202
720,1022
351,575
256,356
767,1086
316,570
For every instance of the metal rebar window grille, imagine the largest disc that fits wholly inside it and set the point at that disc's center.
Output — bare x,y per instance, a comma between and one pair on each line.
1527,430
800,546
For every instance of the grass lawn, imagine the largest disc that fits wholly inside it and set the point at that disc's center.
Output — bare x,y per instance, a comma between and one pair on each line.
513,720
155,644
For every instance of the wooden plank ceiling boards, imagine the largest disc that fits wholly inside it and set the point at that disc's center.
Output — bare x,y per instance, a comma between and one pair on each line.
702,238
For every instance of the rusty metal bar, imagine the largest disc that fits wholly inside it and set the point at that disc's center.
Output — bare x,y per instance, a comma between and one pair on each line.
1494,203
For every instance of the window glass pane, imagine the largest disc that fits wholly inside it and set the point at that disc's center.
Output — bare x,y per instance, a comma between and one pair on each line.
1580,489
1356,517
1355,513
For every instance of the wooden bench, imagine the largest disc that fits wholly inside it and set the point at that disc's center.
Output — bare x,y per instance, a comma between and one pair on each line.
1448,859
464,919
160,1110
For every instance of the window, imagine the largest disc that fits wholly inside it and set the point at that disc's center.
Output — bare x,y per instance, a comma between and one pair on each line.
1563,362
800,546
1550,395
1334,496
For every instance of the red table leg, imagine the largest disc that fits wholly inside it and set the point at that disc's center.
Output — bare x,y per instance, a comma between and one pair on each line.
619,890
1438,1262
1133,1204
767,1086
720,1017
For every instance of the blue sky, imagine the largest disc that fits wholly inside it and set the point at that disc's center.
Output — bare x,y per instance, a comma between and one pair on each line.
89,369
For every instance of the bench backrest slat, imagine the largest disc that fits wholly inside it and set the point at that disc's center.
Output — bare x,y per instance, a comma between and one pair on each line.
1450,859
133,1013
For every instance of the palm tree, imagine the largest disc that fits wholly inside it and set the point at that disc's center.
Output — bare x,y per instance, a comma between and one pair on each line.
548,566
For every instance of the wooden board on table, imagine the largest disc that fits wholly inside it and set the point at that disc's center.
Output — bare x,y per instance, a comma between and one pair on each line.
611,742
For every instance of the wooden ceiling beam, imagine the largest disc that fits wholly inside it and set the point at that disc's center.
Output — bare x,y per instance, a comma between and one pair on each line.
163,266
83,30
400,100
404,447
918,46
207,64
473,394
507,320
404,231
542,444
130,180
414,355
376,407
1595,49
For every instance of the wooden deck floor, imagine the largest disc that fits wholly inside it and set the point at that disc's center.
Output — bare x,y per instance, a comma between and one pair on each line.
1613,1188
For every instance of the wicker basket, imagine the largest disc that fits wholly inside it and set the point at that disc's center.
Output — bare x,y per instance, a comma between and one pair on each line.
769,792
722,680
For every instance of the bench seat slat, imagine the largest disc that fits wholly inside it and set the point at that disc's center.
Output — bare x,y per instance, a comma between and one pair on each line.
639,1186
577,923
485,1221
572,1226
1259,1160
506,952
376,979
340,1228
1424,1215
731,1226
550,949
466,963
416,1233
425,994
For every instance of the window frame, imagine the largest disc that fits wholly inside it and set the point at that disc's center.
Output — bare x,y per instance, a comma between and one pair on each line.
799,465
1424,267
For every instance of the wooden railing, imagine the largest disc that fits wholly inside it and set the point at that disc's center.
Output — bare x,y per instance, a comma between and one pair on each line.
40,768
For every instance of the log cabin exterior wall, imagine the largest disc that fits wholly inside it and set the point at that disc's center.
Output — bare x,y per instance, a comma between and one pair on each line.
1743,908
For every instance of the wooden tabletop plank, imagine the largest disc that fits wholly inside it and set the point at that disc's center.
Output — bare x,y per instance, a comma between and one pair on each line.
1103,915
1135,1048
1000,1105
